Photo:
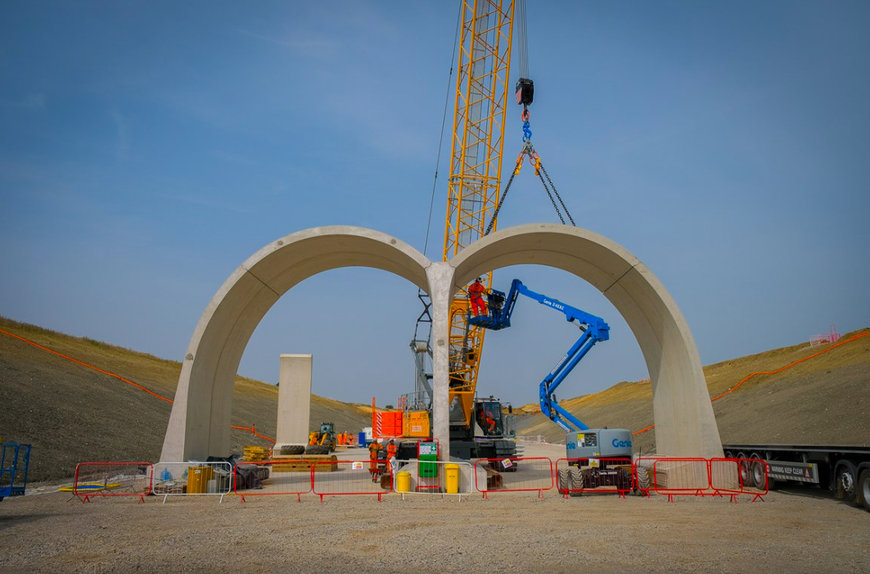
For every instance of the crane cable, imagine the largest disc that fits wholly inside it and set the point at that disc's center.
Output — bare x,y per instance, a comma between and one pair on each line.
528,149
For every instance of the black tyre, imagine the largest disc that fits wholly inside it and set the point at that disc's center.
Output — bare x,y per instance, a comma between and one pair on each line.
862,495
846,481
575,479
316,449
642,480
745,476
758,472
292,449
563,481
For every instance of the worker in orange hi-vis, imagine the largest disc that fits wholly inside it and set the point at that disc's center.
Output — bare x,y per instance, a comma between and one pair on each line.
475,295
373,459
392,449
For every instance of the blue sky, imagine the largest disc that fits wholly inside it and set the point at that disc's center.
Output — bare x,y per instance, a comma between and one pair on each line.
148,148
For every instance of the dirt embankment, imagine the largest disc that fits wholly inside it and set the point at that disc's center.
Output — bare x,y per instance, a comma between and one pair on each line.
70,413
823,400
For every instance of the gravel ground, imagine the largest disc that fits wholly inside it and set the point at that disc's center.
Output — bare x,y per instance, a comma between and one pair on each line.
54,532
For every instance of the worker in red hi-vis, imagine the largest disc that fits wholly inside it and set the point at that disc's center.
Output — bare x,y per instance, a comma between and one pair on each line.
475,295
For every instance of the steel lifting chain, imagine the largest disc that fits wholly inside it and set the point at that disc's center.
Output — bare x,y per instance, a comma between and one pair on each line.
535,160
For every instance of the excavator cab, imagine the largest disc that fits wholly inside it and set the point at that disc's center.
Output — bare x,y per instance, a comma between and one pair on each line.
489,418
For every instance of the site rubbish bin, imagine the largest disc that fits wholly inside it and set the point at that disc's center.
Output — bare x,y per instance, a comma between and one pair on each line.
451,478
403,482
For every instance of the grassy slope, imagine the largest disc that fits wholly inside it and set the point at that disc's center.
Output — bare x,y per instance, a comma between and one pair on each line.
821,401
70,413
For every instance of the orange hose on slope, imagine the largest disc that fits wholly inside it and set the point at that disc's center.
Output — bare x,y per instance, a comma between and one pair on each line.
119,377
774,372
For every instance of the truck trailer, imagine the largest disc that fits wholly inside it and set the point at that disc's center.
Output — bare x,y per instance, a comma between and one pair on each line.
842,470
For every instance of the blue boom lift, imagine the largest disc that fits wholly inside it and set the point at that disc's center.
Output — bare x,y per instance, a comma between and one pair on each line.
582,444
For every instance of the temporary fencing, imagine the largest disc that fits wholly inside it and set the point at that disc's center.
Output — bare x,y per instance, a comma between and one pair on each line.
515,474
595,475
192,479
350,477
679,476
113,479
702,477
733,476
272,478
434,477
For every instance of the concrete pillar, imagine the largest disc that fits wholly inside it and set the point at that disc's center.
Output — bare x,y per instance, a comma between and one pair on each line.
294,399
440,277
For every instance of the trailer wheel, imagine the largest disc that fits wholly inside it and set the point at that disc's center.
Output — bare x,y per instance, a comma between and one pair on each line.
758,471
292,449
745,475
846,481
863,491
317,449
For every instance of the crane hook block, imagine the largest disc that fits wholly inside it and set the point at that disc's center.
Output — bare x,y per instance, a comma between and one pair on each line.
525,91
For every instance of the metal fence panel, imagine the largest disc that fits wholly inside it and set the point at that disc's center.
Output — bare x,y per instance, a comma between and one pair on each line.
431,477
350,477
113,479
594,475
532,474
274,478
192,479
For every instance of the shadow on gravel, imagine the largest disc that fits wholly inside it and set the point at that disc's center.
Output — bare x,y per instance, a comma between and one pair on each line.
7,521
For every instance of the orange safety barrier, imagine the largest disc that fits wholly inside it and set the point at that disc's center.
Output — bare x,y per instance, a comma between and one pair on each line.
595,475
349,477
113,479
702,477
733,476
686,476
515,474
273,478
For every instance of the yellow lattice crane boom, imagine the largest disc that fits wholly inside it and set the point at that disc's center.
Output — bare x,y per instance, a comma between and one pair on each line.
475,166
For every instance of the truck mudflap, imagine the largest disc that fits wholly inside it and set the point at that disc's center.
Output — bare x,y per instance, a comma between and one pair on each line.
795,471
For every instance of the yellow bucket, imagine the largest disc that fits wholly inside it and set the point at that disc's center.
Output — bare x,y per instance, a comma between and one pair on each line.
451,478
403,482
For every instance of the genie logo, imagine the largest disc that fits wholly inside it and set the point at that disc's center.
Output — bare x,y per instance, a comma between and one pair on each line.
621,443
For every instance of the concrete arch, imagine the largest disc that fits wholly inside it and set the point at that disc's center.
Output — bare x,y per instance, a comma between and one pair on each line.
200,419
199,424
685,423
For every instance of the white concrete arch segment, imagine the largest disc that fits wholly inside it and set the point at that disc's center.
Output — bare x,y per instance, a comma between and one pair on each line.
685,423
199,424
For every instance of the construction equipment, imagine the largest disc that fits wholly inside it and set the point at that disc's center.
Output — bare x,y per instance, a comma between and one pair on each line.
14,465
322,441
600,457
486,35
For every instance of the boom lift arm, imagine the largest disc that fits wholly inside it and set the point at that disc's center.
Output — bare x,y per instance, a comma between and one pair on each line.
594,329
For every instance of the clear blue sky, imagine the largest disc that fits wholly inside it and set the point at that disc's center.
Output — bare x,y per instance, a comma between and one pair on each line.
148,148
